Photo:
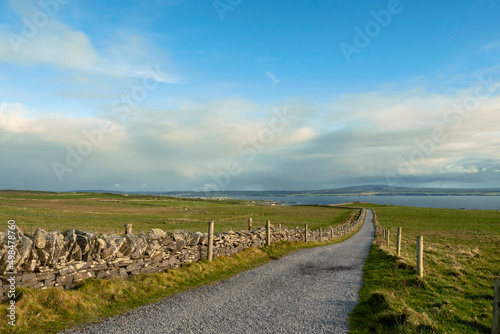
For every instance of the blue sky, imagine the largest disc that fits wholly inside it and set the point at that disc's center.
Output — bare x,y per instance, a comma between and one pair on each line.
250,95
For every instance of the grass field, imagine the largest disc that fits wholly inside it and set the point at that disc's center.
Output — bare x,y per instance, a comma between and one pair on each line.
51,310
107,213
461,259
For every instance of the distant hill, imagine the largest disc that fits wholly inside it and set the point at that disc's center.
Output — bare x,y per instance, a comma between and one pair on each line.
378,190
368,190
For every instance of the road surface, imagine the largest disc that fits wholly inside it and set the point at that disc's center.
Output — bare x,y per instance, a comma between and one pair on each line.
308,291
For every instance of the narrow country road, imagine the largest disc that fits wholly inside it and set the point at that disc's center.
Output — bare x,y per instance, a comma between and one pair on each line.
309,291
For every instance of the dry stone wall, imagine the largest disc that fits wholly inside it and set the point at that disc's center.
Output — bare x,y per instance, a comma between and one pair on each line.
55,259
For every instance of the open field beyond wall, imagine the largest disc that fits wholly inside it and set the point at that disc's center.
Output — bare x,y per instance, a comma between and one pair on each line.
51,310
107,213
461,260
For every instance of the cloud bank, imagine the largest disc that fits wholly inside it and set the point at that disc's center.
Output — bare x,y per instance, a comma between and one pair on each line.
407,138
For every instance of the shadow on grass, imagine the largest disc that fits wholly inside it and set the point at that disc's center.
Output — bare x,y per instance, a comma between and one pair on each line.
374,312
475,325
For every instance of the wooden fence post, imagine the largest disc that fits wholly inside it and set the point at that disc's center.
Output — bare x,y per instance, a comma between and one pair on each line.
279,225
128,228
420,256
495,328
250,224
320,234
210,241
388,238
398,244
268,241
305,234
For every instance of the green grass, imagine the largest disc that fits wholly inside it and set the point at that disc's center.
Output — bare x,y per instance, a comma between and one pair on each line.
107,213
52,310
461,259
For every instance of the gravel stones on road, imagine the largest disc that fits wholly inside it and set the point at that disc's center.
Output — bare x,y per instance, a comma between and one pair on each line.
308,291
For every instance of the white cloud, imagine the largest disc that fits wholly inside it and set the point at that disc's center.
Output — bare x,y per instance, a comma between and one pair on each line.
359,137
55,43
13,119
133,56
19,121
58,45
40,38
461,169
491,46
141,72
273,78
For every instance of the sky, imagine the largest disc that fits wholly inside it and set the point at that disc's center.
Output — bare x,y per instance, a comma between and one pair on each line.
168,95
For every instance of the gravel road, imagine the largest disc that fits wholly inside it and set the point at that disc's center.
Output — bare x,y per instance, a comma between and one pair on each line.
308,291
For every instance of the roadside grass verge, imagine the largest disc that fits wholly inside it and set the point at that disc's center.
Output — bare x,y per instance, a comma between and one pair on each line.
461,260
53,310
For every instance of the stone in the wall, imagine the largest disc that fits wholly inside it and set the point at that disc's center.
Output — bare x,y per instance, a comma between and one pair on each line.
182,235
73,251
134,246
143,243
157,234
165,241
23,250
113,246
172,246
86,241
32,261
40,238
54,247
69,237
197,239
99,246
152,247
153,239
3,262
3,252
123,273
179,245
